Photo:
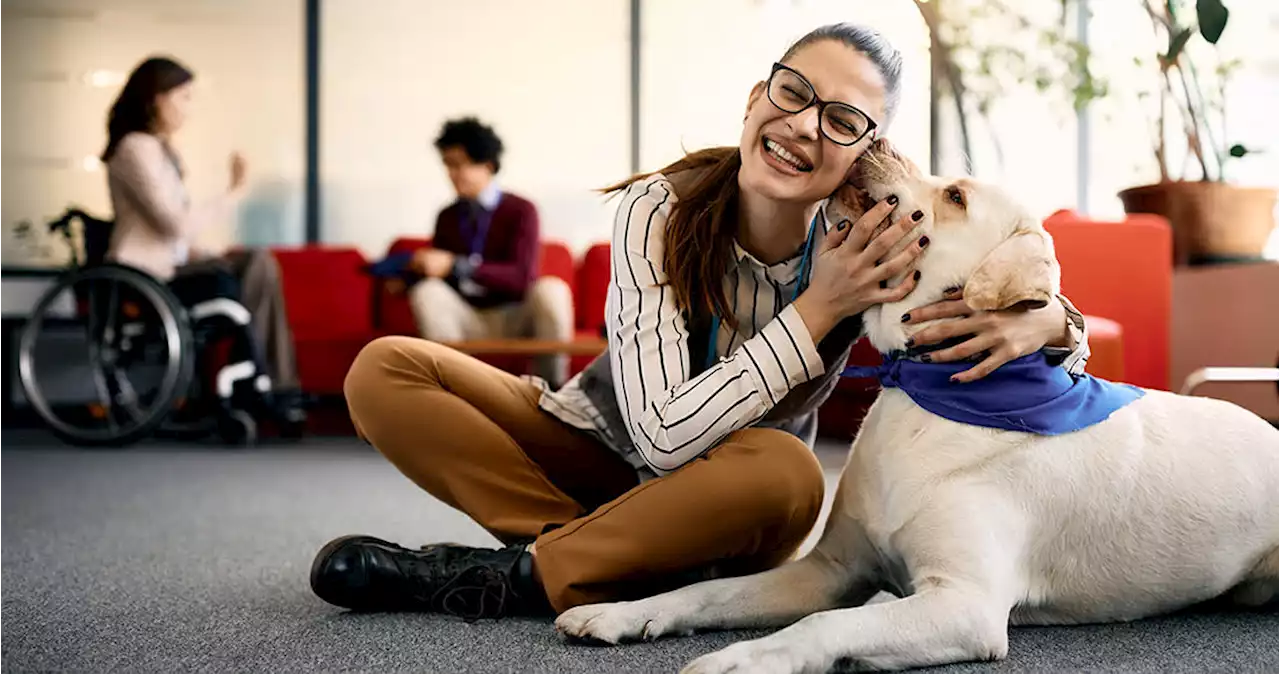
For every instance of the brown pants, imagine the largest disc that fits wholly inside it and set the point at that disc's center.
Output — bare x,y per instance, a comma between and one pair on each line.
474,437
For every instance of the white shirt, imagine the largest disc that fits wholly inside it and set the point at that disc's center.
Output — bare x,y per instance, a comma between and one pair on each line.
671,418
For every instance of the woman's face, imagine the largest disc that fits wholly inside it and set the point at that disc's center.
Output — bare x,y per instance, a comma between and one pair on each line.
838,73
172,107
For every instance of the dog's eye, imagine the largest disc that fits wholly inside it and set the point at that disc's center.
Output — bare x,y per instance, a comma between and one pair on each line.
955,195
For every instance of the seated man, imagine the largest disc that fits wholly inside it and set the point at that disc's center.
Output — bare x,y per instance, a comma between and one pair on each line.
480,277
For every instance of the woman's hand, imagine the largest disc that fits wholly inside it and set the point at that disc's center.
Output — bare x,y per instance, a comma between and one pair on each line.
850,272
1000,336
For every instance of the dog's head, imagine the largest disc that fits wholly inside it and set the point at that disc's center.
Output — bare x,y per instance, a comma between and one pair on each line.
980,240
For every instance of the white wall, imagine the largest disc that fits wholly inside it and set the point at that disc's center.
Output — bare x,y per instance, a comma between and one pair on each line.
64,61
551,77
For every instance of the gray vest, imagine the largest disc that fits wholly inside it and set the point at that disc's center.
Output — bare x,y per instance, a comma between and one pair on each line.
796,413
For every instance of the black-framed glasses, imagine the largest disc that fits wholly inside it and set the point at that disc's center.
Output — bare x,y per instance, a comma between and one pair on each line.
841,123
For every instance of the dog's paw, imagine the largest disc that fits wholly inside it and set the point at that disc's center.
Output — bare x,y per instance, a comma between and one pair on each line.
609,623
762,656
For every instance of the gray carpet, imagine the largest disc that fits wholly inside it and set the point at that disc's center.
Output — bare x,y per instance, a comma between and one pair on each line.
162,559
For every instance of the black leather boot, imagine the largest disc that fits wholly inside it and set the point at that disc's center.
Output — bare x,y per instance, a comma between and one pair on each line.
364,573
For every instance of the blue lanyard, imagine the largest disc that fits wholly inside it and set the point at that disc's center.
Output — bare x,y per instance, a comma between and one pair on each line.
479,229
803,283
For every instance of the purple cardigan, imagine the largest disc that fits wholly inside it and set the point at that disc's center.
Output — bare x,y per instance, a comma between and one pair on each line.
509,255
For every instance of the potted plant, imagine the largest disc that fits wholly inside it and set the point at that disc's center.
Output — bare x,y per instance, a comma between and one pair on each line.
1212,220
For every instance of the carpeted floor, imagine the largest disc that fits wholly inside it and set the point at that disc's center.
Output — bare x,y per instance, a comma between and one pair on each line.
164,559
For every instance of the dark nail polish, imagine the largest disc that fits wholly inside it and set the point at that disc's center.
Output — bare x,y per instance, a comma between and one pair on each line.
884,284
893,200
911,341
916,275
924,241
953,290
841,225
917,215
926,358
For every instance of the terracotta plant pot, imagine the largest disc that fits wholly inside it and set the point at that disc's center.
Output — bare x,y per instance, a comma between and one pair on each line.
1212,222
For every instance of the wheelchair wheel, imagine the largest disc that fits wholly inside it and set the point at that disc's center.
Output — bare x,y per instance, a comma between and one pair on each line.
106,356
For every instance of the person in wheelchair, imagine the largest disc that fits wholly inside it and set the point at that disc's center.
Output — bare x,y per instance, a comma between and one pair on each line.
156,221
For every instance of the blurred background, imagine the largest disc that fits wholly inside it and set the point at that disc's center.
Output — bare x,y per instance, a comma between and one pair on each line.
1145,133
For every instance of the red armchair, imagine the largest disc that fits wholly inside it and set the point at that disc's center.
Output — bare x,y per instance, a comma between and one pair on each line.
327,298
1122,271
589,298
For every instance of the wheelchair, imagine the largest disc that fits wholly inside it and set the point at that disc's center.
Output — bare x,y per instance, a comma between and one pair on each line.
110,356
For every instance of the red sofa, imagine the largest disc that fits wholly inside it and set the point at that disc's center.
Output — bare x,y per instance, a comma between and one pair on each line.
335,308
327,296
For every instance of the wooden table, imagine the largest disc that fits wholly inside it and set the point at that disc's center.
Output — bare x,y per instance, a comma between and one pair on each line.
530,347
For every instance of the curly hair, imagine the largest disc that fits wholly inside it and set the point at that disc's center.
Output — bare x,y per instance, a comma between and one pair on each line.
476,139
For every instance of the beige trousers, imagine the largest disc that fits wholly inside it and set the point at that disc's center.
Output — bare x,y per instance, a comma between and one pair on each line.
444,315
487,449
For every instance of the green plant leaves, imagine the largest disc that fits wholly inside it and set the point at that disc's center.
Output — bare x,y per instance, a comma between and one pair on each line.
1212,16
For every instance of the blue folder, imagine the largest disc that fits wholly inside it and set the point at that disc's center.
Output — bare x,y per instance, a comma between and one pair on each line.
395,265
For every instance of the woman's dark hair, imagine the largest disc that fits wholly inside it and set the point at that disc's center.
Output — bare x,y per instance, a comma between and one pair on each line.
479,141
135,107
698,242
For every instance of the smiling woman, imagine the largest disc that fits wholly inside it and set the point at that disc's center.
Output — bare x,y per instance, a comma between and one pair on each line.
683,451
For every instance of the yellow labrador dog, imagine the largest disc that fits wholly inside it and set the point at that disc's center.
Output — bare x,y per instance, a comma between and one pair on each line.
1168,502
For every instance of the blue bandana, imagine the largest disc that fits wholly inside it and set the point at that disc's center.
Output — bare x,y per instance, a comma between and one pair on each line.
1028,394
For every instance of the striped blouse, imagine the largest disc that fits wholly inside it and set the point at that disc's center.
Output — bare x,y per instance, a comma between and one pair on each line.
671,418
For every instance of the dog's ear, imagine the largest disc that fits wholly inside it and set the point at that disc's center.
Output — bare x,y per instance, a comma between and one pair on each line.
1020,271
